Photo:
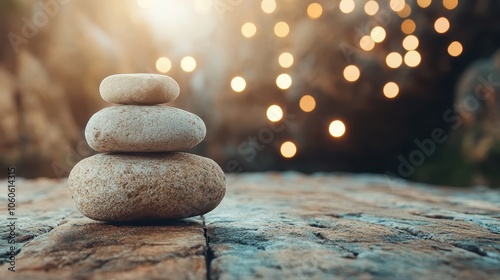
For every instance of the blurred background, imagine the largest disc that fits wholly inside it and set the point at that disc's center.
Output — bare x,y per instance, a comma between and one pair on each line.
403,88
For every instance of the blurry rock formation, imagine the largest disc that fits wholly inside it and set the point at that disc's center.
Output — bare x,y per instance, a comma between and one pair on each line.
50,69
472,154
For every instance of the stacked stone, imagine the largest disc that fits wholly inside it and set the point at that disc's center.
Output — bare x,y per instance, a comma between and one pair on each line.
141,173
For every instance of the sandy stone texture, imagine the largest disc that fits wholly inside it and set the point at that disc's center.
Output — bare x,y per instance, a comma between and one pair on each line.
121,187
129,128
139,89
270,226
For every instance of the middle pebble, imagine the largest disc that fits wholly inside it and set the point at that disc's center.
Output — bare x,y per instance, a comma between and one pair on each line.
130,128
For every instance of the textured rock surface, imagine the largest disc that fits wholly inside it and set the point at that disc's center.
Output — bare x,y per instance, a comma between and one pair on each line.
273,226
144,129
120,187
139,89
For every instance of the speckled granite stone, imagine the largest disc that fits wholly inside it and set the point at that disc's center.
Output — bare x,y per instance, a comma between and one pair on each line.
144,129
120,187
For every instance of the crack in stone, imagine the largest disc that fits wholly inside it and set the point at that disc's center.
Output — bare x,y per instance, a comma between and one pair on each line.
416,233
209,253
25,239
473,248
323,238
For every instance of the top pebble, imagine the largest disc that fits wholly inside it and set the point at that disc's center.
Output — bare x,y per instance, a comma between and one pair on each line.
139,89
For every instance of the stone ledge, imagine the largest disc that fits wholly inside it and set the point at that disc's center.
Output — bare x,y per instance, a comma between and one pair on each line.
270,225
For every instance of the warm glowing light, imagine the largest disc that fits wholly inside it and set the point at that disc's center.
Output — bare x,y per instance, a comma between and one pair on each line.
397,5
307,103
410,42
281,29
285,60
188,64
351,73
371,7
408,26
238,84
412,58
288,149
314,10
378,34
450,4
274,113
391,90
394,60
163,64
442,25
424,3
202,7
455,49
405,12
284,81
336,128
248,29
268,6
366,43
145,4
347,6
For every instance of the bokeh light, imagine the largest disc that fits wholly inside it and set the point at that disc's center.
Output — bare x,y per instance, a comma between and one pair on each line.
248,29
284,81
281,29
450,4
405,12
391,90
366,43
337,128
441,25
288,149
408,26
371,7
238,84
163,64
455,49
410,42
274,113
397,5
285,60
412,58
351,73
307,103
188,64
347,6
394,60
268,6
424,3
378,34
314,10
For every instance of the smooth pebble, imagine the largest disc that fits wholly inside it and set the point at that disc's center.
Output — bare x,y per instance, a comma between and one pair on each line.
139,89
130,128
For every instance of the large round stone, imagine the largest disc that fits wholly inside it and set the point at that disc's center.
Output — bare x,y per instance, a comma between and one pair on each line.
130,128
139,89
123,187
